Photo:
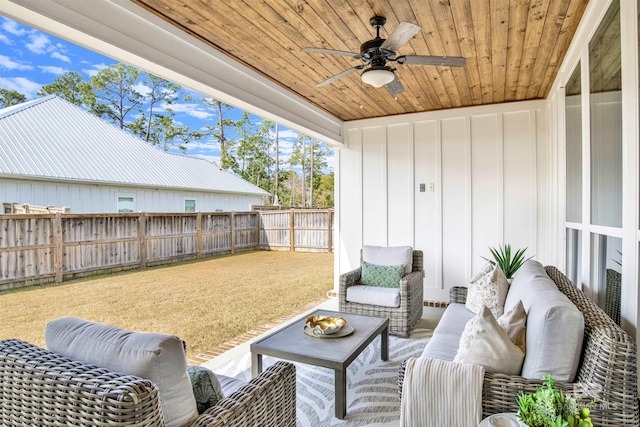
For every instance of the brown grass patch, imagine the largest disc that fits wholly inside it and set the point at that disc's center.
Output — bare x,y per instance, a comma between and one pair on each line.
204,302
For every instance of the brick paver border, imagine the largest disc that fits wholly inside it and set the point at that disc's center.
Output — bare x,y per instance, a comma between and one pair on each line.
241,339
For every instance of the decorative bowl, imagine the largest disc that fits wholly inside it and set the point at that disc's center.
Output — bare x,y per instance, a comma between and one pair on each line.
325,325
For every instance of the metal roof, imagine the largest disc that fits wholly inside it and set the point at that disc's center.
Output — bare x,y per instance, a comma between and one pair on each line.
50,138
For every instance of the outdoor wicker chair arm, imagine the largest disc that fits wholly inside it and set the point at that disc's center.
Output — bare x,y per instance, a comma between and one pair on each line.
348,279
351,278
458,294
268,400
411,286
41,387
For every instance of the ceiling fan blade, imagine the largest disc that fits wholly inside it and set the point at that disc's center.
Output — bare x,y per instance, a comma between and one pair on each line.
331,52
446,61
402,34
339,76
395,87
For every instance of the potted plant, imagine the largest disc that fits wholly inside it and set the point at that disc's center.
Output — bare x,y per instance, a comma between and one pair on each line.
550,407
508,265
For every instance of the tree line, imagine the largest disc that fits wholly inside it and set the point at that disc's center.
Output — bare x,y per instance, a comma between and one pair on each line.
141,103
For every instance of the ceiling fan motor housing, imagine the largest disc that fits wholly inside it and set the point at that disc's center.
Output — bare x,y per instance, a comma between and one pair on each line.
370,50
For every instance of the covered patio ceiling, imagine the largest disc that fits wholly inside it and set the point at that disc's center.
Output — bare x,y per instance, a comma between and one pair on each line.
247,53
513,48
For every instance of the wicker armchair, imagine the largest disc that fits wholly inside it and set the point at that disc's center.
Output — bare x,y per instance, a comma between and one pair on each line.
402,319
608,366
39,387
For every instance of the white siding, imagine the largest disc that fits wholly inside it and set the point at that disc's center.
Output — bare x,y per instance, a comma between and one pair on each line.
103,199
481,165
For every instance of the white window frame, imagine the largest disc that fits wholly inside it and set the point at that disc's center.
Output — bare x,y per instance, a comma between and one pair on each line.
195,204
125,196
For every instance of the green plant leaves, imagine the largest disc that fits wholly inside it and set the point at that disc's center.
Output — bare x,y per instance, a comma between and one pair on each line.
508,265
548,406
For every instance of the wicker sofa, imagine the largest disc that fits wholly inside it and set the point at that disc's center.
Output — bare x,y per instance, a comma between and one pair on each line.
40,387
608,365
403,317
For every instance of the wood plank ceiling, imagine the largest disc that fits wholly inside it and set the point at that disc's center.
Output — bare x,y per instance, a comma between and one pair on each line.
513,48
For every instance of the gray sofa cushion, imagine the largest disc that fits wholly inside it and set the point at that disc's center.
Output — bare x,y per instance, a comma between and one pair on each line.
446,337
156,357
441,346
454,320
555,327
374,295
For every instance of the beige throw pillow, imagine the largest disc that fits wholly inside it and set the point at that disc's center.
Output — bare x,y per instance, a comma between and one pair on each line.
489,290
486,269
514,323
485,343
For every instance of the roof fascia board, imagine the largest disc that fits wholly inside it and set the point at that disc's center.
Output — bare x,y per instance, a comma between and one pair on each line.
126,32
9,176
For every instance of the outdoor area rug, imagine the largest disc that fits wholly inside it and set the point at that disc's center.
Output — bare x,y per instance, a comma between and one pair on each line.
372,384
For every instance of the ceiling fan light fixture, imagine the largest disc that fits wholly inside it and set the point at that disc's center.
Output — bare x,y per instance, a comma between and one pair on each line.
377,77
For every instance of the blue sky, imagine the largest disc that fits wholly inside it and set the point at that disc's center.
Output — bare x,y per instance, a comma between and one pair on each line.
30,59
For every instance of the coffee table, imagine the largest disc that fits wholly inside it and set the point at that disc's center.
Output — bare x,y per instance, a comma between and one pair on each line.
291,343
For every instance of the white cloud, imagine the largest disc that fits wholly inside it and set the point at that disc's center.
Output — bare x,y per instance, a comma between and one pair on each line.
52,70
22,85
331,162
12,27
93,69
4,39
193,110
204,146
10,64
286,134
39,43
57,55
142,89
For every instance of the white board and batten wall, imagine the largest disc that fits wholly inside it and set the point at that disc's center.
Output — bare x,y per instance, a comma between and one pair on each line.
92,198
485,172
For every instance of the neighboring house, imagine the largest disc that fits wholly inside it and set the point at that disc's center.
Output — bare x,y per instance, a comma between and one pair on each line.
53,153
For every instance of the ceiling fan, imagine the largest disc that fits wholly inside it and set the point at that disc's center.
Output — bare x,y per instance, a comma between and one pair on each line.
376,53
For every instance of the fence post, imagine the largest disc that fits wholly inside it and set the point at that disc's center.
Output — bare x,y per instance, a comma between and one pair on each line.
142,233
233,232
292,231
330,230
260,228
199,235
58,255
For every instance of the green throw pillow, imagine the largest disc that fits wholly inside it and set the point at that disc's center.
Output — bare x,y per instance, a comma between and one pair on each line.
206,387
386,276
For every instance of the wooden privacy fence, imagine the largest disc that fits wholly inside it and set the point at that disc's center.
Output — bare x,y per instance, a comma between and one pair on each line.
36,248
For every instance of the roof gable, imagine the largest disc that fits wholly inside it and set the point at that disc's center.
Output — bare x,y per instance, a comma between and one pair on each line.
52,138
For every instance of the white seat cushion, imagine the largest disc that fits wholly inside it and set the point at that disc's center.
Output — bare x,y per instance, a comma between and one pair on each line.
373,295
389,255
159,358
